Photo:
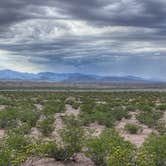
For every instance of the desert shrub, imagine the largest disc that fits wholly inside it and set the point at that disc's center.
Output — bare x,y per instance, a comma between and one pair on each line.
13,149
8,118
103,114
23,129
5,159
16,141
4,100
132,128
29,117
46,125
53,107
161,107
156,145
120,156
101,149
149,118
144,107
72,137
119,113
61,153
144,158
161,127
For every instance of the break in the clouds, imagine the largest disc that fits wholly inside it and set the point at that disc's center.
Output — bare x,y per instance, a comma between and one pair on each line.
106,37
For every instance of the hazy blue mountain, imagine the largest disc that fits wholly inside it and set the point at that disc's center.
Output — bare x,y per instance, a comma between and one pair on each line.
14,75
9,75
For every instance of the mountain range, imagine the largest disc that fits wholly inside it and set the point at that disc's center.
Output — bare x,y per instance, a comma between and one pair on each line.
9,75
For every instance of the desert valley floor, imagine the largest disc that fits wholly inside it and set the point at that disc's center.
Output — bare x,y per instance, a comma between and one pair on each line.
82,128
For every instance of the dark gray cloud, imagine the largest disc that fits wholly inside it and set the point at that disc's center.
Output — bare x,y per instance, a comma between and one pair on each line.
122,37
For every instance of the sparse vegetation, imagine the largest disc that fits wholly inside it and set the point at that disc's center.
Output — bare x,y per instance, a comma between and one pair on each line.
21,116
132,128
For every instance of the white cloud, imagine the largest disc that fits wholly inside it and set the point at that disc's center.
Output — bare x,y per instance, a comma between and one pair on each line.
18,63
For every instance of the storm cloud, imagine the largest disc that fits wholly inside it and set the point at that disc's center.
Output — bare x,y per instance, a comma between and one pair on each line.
108,37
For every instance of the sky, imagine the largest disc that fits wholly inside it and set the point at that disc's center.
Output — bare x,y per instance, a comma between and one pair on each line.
103,37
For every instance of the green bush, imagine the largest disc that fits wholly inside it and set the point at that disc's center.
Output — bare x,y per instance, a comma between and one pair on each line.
161,127
5,159
46,125
101,148
149,118
132,128
8,118
144,158
72,136
24,129
13,149
104,114
156,146
53,107
29,117
120,156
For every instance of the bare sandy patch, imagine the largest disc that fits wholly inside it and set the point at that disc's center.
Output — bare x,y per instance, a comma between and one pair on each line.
38,106
164,117
71,111
94,129
35,133
137,139
58,125
2,107
79,160
2,133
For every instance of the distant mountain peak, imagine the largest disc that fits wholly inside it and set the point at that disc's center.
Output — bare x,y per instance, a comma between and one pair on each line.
10,75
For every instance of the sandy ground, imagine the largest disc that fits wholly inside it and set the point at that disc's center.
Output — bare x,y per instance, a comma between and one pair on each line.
71,111
58,124
94,129
79,160
164,117
38,106
2,107
2,133
136,139
35,133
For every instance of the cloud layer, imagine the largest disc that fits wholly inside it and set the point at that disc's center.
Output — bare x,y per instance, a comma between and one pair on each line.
108,37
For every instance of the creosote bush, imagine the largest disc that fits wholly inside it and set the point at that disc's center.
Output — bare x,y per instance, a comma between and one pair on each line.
132,128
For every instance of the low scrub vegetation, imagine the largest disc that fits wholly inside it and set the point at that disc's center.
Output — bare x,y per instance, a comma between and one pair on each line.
20,115
133,128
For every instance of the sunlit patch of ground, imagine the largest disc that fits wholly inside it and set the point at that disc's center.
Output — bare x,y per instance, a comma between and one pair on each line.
137,139
94,129
38,106
2,107
71,111
78,160
2,133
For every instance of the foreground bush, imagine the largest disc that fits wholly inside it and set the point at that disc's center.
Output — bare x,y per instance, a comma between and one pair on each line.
46,126
156,145
102,149
149,118
132,128
72,136
13,149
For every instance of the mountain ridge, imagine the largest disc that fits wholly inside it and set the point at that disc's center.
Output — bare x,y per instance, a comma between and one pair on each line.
10,75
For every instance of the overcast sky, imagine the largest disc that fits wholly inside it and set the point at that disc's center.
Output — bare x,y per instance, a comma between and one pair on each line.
105,37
